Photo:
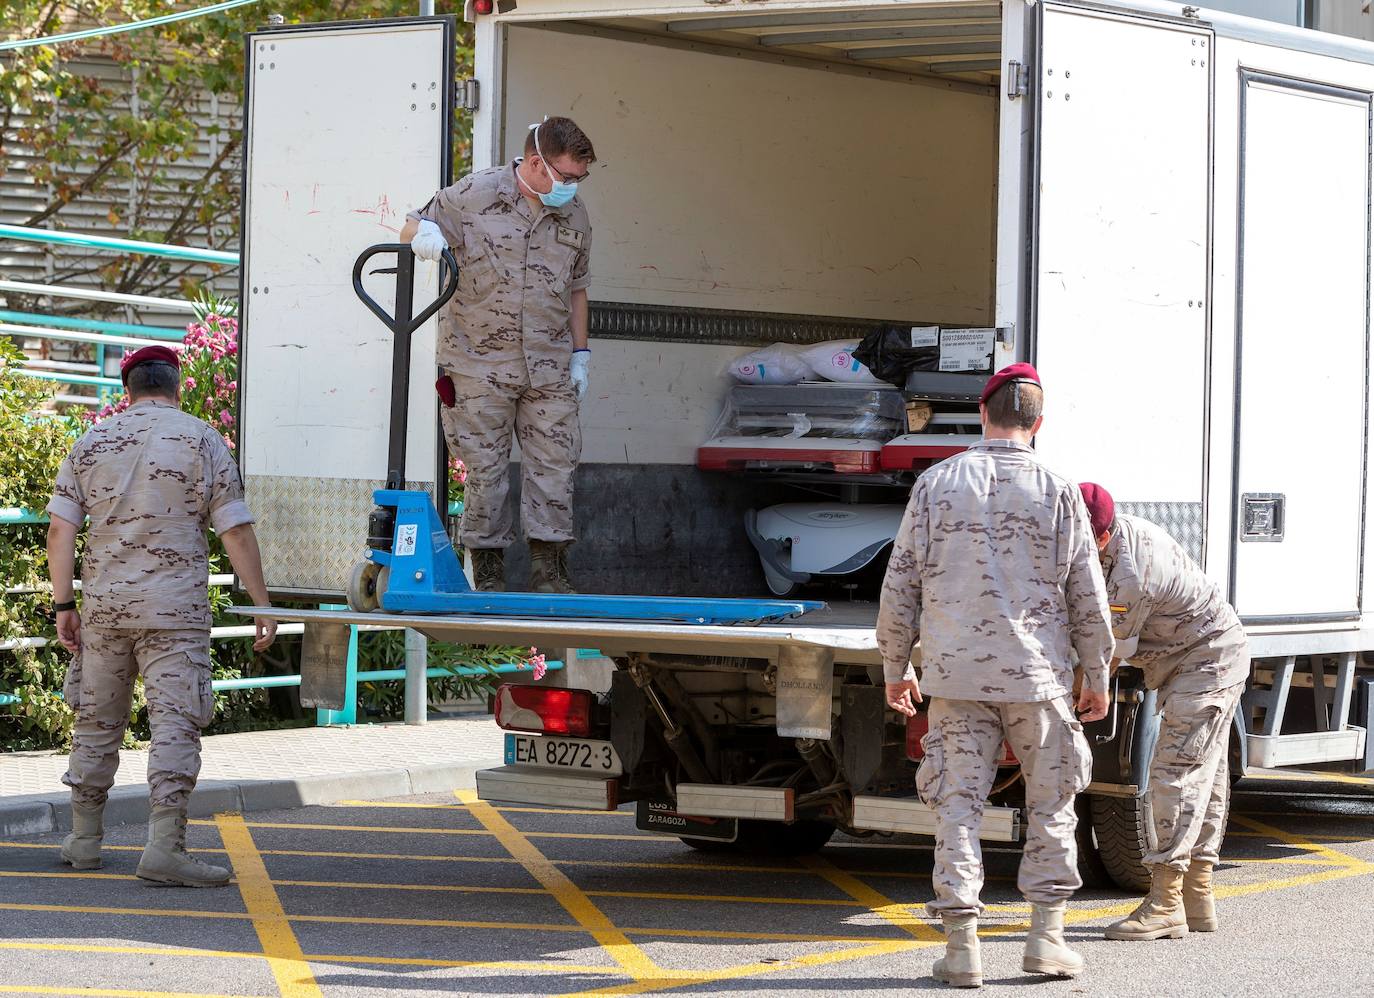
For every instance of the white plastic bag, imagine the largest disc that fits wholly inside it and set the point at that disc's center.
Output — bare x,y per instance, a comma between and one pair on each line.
834,361
779,364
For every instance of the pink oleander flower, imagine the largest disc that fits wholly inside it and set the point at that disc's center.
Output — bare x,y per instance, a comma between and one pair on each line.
190,384
226,417
539,665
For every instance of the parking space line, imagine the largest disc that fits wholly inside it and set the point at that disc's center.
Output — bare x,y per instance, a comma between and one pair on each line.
880,904
1305,776
534,966
37,989
411,830
1247,819
284,957
130,950
1301,842
416,805
633,960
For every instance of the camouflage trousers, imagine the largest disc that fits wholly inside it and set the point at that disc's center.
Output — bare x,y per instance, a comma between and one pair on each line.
175,665
1190,785
479,428
962,749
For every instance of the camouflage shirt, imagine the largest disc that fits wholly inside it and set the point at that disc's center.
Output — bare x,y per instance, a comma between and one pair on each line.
151,479
1169,618
995,570
510,321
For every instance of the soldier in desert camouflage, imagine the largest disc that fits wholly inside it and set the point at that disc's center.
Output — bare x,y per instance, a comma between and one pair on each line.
995,571
513,344
1172,622
150,479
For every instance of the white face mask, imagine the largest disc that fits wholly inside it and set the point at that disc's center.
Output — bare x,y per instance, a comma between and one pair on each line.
561,192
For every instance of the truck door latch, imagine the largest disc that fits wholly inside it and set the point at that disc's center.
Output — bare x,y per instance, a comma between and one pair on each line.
1261,516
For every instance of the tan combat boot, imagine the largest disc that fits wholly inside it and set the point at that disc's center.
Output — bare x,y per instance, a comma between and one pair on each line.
549,567
489,569
81,849
962,964
1046,952
1160,915
165,860
1198,905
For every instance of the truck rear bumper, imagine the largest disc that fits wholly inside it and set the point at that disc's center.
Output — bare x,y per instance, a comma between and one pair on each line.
536,785
895,814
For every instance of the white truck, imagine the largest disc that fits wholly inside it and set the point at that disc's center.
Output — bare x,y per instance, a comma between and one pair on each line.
1166,209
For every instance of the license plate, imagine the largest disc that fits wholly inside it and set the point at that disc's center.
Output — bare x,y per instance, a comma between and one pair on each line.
579,754
659,816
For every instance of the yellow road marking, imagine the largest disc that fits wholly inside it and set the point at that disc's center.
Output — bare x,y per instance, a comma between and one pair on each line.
406,830
877,902
279,943
546,966
463,807
534,966
630,957
688,978
1306,776
1241,818
1300,842
132,950
35,989
444,923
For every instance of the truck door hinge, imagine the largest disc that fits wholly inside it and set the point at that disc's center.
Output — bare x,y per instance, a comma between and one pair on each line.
465,94
1018,81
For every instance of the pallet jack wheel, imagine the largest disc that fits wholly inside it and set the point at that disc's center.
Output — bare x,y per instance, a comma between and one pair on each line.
365,587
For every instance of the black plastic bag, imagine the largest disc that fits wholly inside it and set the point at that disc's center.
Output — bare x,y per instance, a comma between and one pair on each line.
888,353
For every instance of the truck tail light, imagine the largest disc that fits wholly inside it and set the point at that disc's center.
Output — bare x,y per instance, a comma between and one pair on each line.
482,6
544,710
916,728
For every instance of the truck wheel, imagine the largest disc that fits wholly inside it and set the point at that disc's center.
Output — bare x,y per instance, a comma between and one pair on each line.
771,838
1112,840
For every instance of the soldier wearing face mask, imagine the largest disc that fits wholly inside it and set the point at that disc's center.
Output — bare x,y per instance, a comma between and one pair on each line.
513,344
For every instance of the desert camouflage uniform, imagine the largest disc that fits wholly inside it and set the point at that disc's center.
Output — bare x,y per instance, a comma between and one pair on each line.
996,570
506,340
151,479
1172,622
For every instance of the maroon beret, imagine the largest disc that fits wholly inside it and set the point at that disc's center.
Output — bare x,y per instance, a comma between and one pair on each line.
447,393
1022,373
1101,508
148,355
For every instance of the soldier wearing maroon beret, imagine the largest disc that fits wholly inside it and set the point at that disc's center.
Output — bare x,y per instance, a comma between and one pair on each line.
146,482
1173,623
995,571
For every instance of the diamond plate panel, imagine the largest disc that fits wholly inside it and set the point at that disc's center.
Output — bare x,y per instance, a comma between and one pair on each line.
312,530
1183,521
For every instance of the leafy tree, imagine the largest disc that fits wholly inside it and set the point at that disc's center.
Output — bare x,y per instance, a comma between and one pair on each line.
81,140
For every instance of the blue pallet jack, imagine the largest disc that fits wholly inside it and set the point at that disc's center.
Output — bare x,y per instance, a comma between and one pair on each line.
411,566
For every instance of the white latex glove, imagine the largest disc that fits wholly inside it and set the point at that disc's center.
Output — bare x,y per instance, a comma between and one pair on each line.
428,243
578,371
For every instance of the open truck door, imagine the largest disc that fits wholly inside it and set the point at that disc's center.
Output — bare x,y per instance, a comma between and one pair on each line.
1121,191
1120,267
346,127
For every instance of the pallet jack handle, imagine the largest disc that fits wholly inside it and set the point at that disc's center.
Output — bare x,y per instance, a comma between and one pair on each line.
403,325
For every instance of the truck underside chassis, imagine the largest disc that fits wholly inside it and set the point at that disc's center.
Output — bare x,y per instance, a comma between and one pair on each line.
713,751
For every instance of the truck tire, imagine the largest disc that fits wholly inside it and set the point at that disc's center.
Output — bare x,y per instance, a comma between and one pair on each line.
771,838
1112,840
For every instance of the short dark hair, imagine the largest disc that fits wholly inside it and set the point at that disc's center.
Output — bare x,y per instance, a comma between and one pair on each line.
1016,405
155,378
558,136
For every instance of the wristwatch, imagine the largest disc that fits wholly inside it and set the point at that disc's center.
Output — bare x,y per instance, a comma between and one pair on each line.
61,607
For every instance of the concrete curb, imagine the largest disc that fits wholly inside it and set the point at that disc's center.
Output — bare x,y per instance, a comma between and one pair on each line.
40,814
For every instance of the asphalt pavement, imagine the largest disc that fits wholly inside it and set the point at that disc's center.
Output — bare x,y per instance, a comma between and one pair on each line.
442,893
